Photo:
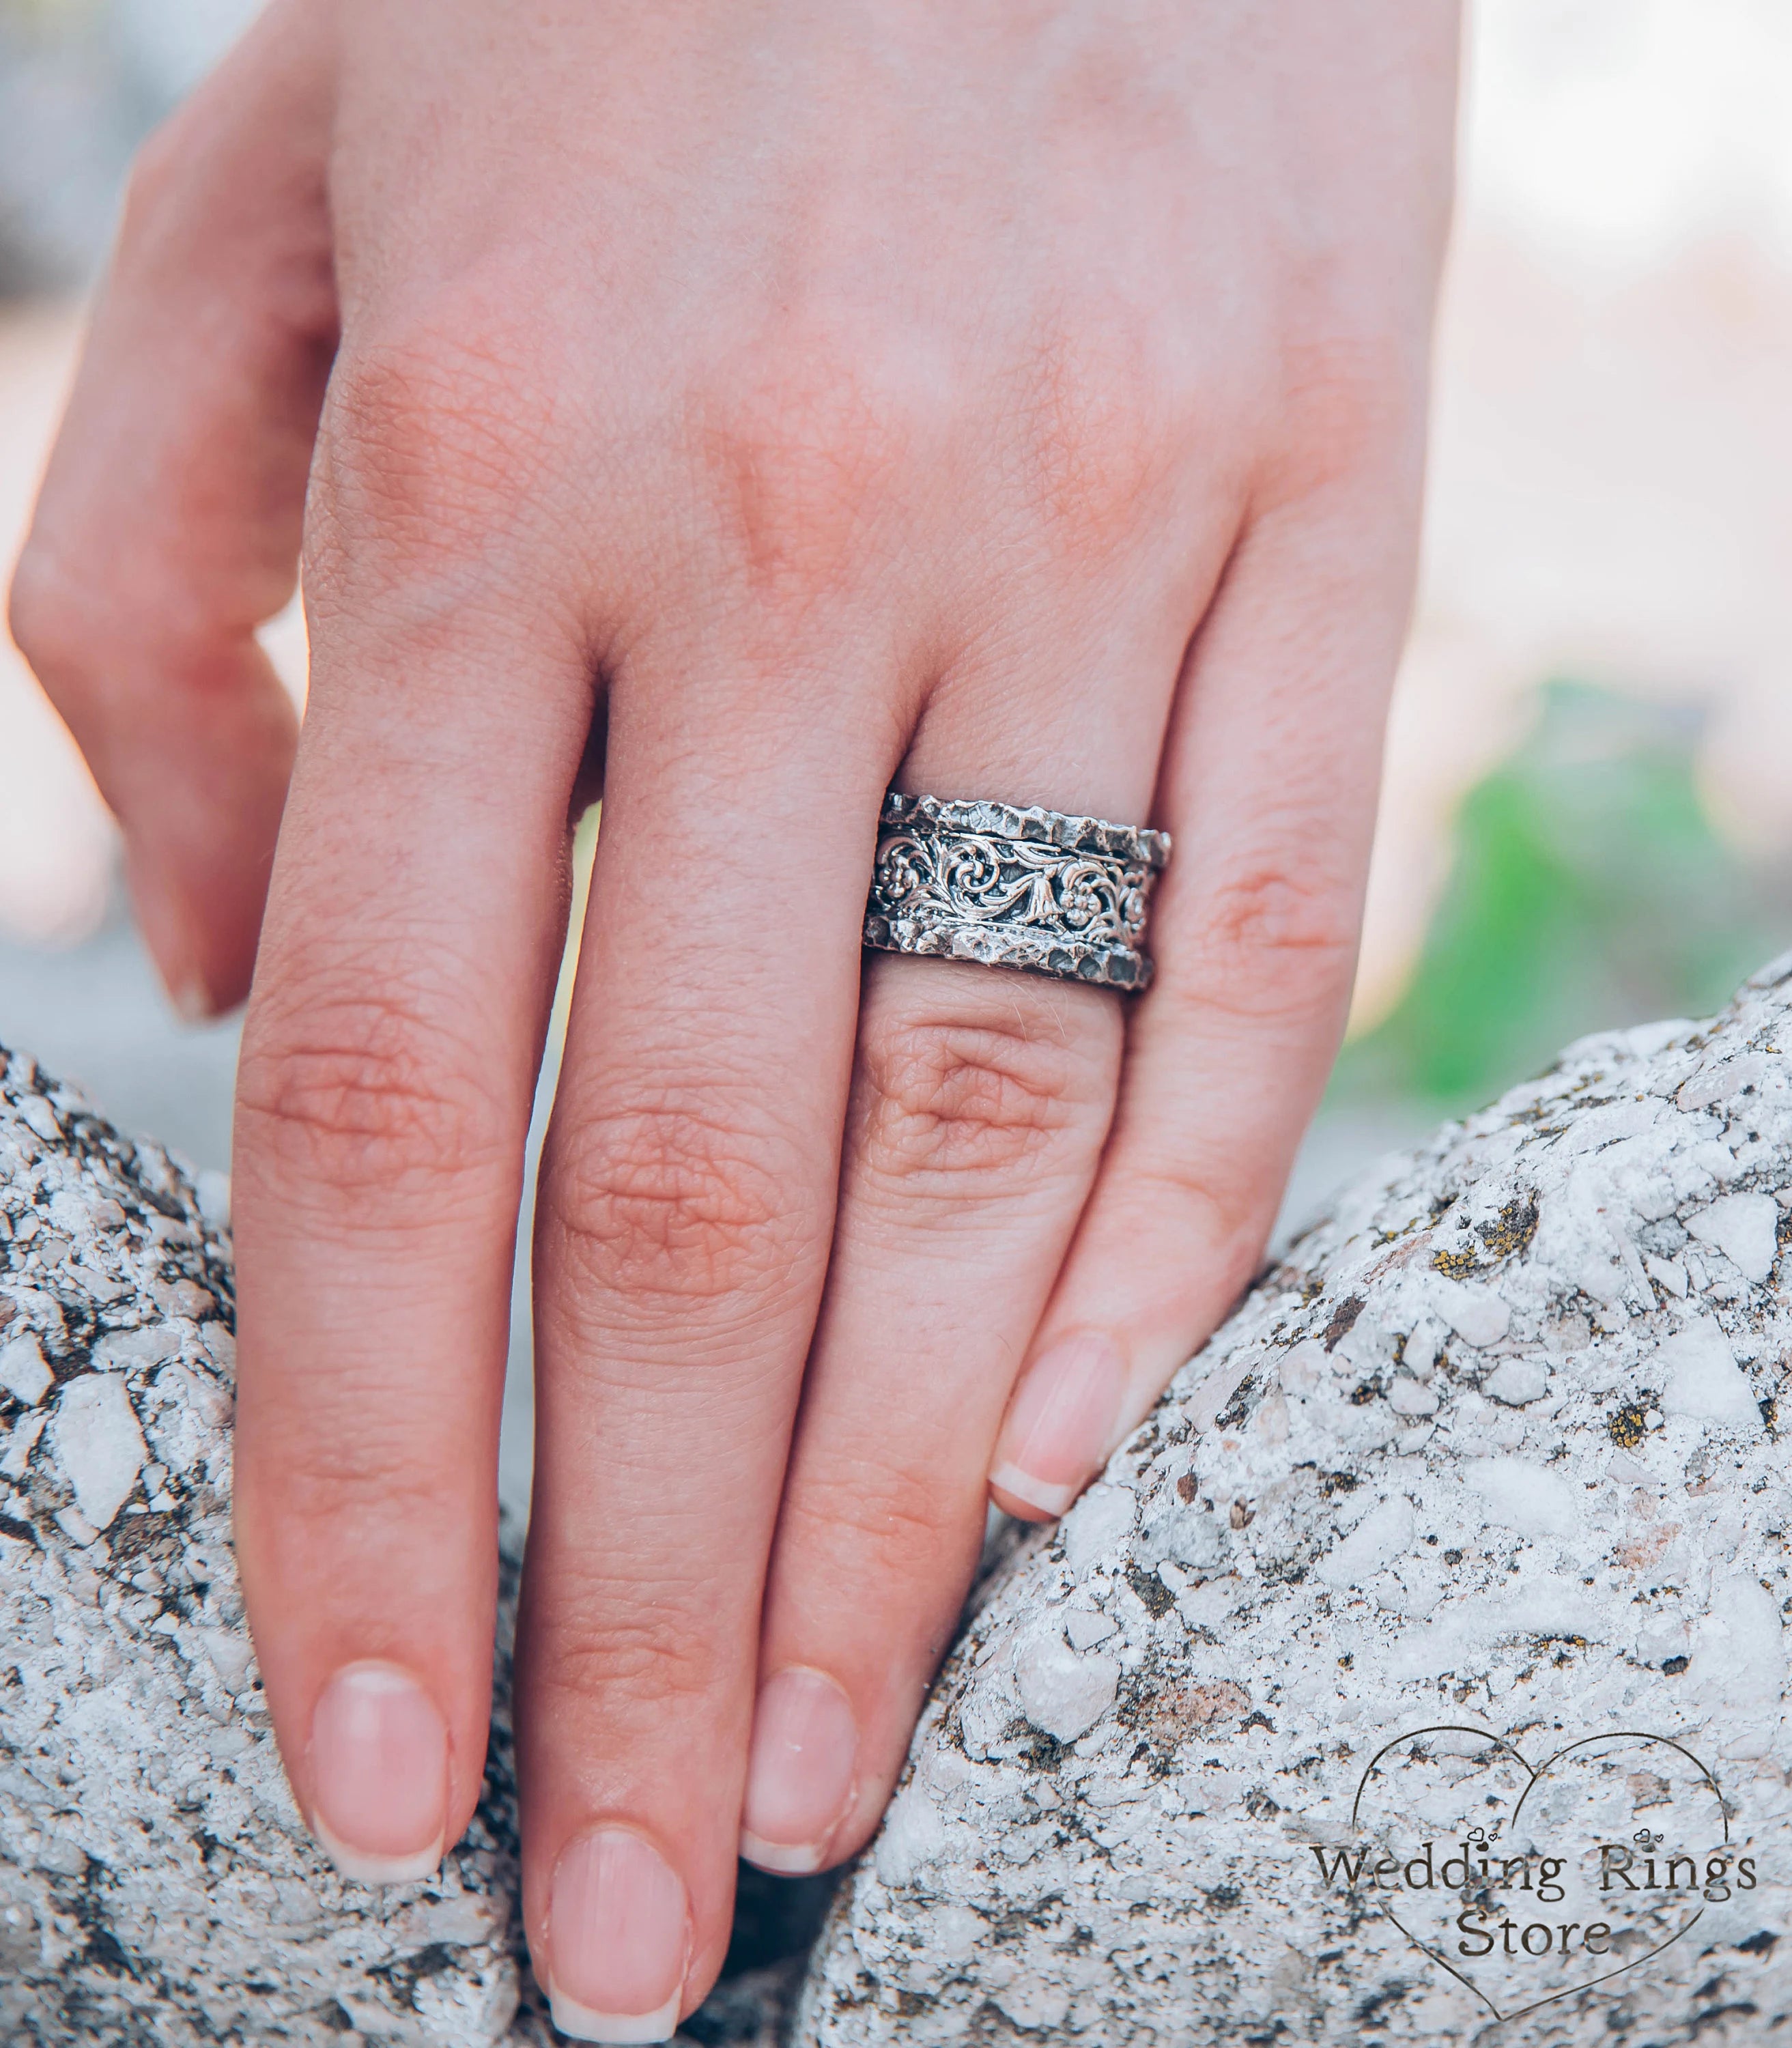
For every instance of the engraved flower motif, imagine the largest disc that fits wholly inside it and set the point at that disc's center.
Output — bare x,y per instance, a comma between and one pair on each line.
1085,899
902,874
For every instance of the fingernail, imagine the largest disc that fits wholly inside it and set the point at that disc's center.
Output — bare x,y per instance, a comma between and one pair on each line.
379,1775
799,1774
618,1937
1061,1423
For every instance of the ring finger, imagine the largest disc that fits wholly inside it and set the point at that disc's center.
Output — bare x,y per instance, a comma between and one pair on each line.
981,1098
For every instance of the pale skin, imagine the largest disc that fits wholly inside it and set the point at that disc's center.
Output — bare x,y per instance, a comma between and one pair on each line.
743,408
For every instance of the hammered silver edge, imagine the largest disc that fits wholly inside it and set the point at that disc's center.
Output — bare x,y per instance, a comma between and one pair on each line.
1123,967
1137,844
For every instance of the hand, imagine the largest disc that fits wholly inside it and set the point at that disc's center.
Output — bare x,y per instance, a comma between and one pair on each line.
756,405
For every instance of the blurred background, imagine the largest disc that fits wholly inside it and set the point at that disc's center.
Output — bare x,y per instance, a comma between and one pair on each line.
1588,810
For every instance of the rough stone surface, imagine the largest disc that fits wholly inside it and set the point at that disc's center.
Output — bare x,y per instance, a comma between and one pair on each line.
157,1887
1497,1448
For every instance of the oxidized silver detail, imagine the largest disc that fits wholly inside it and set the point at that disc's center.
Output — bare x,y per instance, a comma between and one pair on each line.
1011,887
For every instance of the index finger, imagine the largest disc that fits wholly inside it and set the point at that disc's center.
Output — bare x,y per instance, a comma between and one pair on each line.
384,1094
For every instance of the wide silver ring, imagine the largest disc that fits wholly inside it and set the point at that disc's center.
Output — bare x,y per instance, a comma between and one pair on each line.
1031,889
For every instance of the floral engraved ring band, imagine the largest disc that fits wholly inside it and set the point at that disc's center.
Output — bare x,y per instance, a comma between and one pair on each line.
1011,887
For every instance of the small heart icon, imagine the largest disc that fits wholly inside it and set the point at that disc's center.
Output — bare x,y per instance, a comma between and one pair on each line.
1529,1883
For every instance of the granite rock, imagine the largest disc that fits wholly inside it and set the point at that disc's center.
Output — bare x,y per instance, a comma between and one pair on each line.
157,1886
1416,1674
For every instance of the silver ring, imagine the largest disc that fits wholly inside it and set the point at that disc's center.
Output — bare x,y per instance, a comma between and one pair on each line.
1010,887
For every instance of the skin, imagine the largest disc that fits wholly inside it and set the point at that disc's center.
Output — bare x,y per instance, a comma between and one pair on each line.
743,410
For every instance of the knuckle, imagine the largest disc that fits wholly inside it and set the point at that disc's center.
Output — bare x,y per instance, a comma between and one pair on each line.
369,1098
1225,1203
64,612
435,435
1347,400
1105,429
186,170
957,1106
596,1642
1216,1198
804,442
332,1479
895,1517
1270,938
159,177
84,606
684,1203
48,620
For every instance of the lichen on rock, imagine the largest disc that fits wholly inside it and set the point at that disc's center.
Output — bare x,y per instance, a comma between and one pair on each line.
1495,1449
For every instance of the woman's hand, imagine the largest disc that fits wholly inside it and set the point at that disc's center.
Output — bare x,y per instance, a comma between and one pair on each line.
756,405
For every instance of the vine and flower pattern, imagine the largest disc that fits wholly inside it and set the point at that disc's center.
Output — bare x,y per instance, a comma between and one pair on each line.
1013,887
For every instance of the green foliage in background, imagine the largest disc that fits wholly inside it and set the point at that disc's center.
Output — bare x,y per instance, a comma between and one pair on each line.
1587,889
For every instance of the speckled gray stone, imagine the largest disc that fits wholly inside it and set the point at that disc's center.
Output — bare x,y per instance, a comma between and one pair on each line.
157,1885
157,1888
1498,1446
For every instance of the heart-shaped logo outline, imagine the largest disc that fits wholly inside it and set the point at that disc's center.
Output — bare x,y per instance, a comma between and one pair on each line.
1533,1776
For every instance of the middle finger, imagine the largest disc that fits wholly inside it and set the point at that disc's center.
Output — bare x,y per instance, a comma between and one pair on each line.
686,1198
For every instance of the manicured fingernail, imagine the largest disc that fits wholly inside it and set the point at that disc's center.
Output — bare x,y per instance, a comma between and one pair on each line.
799,1775
619,1938
1061,1424
379,1775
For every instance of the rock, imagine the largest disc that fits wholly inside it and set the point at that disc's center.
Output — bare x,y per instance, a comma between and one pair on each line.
1438,1615
1519,1494
1417,1674
157,1887
156,1881
1701,1377
97,1445
1744,1227
1517,1382
1062,1689
23,1373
